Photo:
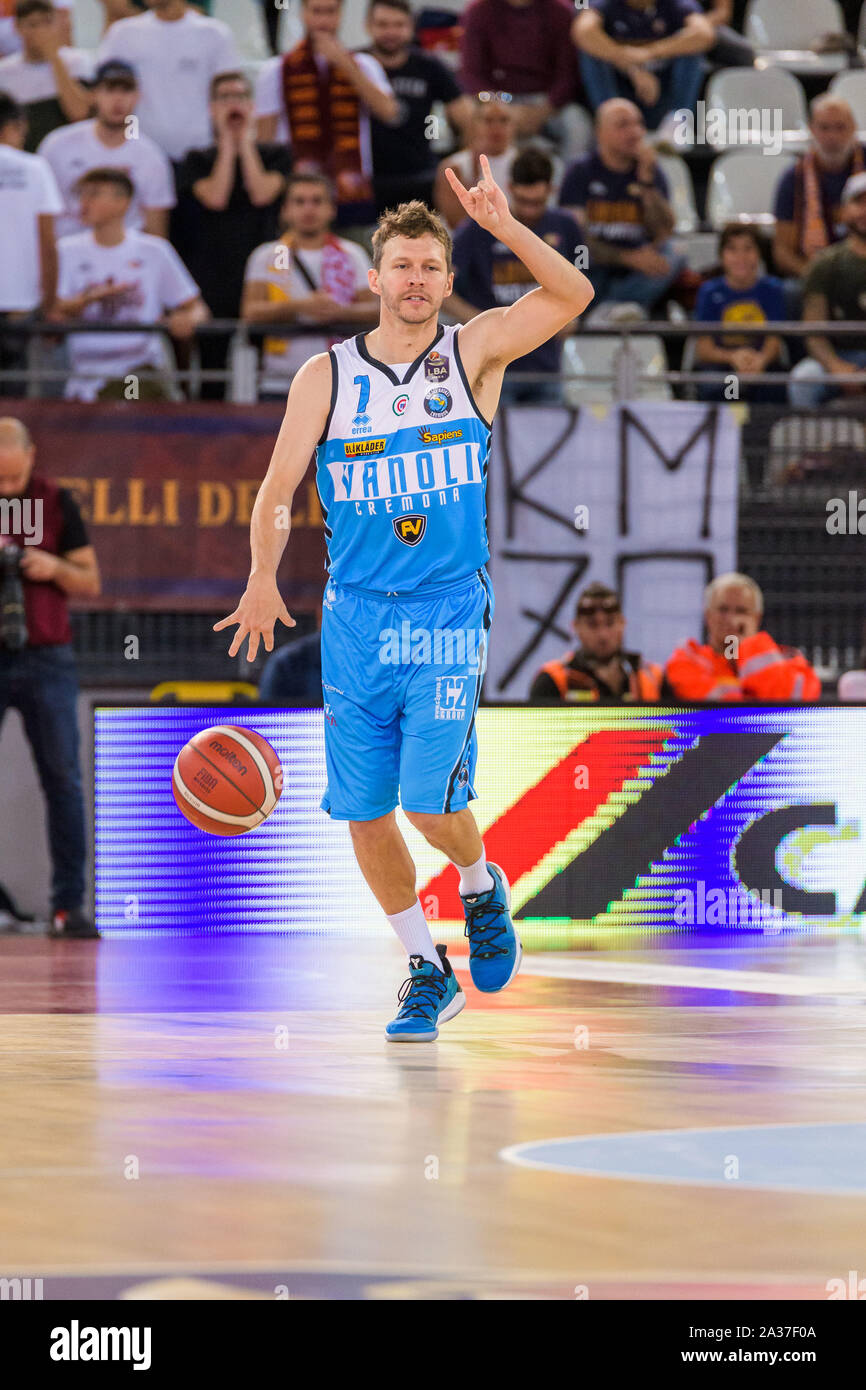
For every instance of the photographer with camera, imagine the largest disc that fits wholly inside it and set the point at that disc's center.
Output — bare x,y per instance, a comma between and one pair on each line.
45,558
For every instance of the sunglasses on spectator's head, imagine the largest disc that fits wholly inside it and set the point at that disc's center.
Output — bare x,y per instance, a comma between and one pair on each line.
587,608
494,96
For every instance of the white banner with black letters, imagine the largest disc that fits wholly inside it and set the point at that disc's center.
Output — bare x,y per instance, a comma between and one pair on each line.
641,497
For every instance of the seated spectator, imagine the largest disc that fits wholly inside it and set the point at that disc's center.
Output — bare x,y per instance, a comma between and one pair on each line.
109,274
293,674
809,194
646,50
741,294
835,288
307,276
731,50
523,47
404,164
619,196
228,201
45,77
29,202
175,52
320,98
105,142
488,274
491,132
739,662
599,669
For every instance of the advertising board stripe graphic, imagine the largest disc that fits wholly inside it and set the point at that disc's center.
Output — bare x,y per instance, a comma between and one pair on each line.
549,811
668,807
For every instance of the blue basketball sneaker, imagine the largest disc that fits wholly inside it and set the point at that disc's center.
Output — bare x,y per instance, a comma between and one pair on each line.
495,952
429,997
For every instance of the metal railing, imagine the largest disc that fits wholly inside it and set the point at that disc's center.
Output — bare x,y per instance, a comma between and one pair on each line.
242,375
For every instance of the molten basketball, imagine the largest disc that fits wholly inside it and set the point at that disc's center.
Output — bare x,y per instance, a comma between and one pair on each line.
227,780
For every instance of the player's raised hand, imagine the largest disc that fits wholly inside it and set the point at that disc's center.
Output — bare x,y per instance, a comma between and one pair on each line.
484,201
259,609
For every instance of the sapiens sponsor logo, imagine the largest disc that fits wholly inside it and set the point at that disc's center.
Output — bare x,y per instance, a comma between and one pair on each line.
441,437
77,1343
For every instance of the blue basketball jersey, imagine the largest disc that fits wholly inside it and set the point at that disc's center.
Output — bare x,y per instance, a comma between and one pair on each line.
401,470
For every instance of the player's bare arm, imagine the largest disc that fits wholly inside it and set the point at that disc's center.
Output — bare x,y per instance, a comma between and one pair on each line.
306,413
498,336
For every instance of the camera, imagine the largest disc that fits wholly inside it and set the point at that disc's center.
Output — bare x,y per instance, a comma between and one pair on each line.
13,619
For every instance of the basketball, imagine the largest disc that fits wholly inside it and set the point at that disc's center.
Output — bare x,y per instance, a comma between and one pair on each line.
227,780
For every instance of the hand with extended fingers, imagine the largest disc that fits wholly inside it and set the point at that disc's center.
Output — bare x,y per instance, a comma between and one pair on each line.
484,201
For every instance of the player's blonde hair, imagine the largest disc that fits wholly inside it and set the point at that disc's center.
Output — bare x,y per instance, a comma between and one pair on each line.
411,220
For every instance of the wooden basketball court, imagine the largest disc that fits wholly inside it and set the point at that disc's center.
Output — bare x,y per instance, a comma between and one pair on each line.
677,1117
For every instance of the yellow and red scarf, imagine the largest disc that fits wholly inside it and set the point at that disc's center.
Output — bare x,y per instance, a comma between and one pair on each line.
816,233
324,116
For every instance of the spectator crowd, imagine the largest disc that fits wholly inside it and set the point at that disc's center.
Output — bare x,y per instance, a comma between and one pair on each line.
575,107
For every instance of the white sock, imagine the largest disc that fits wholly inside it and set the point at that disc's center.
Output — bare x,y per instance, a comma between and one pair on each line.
475,878
412,930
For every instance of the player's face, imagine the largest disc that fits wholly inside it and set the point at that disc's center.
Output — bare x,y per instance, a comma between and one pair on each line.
100,203
494,128
528,201
322,16
740,261
16,464
308,209
390,30
413,280
834,131
601,634
114,104
733,613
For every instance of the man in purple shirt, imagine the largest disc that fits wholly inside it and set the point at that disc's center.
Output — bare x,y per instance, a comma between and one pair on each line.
524,48
646,50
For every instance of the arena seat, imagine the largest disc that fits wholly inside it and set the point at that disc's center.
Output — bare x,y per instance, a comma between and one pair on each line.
812,439
742,187
758,89
682,191
597,356
851,87
784,33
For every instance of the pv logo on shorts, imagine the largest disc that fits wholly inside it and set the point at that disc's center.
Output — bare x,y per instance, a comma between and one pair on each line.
409,529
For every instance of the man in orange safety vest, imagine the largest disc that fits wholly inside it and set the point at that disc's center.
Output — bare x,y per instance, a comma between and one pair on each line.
739,662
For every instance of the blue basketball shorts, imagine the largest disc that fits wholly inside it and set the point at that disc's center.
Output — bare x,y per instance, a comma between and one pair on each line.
401,679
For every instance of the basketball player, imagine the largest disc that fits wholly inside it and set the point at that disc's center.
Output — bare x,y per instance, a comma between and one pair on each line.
399,419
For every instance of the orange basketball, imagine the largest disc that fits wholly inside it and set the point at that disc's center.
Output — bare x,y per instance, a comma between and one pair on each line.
227,780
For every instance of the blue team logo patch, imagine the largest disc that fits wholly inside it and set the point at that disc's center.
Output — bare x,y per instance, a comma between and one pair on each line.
463,776
437,402
410,528
435,367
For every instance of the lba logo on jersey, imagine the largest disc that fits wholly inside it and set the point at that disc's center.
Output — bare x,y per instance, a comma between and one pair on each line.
450,697
437,402
435,367
409,529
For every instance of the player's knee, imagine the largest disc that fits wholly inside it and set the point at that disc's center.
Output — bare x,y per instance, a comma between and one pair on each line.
366,831
430,824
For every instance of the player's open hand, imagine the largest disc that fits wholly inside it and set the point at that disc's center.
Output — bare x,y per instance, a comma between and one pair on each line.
259,609
484,201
